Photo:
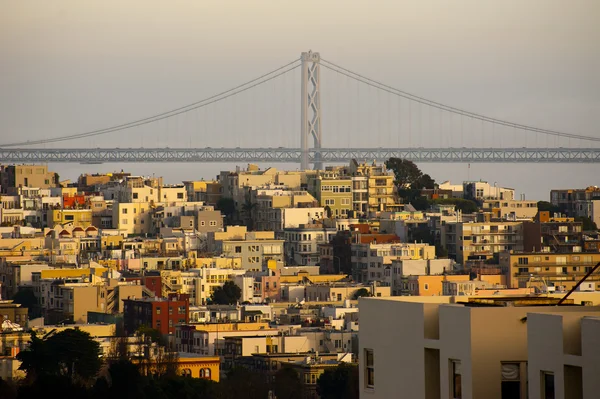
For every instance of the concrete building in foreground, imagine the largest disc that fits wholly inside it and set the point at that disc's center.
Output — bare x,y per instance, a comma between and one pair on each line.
495,347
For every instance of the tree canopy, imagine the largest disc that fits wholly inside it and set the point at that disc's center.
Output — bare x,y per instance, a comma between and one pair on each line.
340,382
287,384
587,223
227,207
26,298
408,175
70,353
228,294
463,205
361,292
547,206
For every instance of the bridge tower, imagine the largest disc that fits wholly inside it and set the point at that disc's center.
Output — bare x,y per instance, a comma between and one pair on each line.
311,108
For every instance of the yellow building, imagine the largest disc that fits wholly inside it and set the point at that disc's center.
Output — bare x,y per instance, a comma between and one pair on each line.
332,191
191,365
75,217
217,262
312,278
562,270
433,285
208,192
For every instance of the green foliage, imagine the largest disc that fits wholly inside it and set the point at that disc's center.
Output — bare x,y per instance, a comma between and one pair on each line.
287,384
420,203
227,207
243,383
26,298
587,223
547,206
71,353
406,173
441,252
464,205
340,382
424,182
152,333
228,294
361,292
248,208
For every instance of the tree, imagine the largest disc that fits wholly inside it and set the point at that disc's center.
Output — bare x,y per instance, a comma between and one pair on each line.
228,294
287,384
248,210
587,223
547,206
26,298
70,353
243,383
424,182
408,175
420,203
227,207
340,382
361,293
463,205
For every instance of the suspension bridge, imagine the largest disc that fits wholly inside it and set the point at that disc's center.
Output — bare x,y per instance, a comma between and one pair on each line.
264,120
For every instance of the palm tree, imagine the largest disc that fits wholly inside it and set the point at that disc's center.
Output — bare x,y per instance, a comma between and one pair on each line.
248,210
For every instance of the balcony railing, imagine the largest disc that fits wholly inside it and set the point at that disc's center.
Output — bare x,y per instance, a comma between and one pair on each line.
555,264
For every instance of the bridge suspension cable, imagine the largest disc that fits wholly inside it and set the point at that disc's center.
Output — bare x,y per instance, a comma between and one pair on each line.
392,90
168,114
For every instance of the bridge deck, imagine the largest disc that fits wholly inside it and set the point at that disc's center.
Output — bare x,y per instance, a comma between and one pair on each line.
293,155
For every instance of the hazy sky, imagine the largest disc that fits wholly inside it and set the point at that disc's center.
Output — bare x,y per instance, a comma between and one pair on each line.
73,66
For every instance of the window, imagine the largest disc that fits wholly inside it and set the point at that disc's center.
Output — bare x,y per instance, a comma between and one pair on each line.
238,250
213,223
456,382
157,310
369,368
561,260
135,195
523,261
511,380
426,286
124,210
179,195
547,381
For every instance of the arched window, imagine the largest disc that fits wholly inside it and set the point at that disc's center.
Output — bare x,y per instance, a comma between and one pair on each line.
205,373
186,372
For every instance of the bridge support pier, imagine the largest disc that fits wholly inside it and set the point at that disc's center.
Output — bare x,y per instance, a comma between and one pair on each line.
310,109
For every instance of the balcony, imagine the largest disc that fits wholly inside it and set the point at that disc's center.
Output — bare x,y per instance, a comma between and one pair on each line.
555,264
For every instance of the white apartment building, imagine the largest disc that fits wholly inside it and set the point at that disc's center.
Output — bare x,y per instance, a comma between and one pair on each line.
255,249
511,209
200,284
302,243
372,262
417,347
482,240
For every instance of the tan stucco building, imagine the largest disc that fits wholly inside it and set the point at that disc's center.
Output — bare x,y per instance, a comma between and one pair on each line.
430,347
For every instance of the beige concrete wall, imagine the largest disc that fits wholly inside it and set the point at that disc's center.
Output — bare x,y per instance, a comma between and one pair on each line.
560,344
85,299
395,330
411,362
590,346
